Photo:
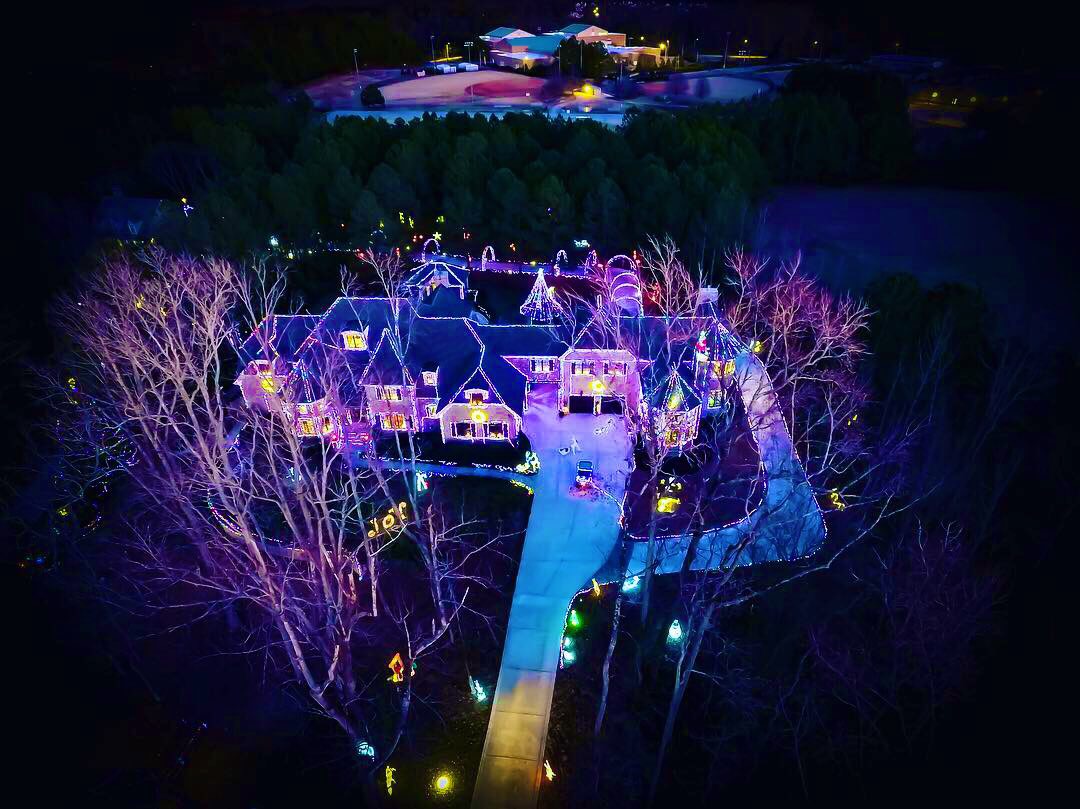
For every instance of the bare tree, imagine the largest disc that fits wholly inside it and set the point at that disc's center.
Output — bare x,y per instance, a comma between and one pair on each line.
235,512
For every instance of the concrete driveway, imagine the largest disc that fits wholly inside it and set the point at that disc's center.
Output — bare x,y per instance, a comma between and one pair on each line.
567,541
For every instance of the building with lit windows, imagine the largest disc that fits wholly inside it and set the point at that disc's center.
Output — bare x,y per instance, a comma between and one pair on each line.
429,362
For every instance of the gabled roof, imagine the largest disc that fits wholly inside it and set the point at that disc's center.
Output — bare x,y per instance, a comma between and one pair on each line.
504,32
582,28
277,336
456,271
385,367
677,393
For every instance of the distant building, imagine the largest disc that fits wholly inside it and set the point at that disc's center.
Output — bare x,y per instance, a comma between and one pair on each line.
513,47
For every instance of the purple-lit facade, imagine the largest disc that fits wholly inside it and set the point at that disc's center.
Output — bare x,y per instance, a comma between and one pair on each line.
372,366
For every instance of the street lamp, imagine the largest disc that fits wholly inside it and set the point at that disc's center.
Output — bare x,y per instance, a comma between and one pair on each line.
432,47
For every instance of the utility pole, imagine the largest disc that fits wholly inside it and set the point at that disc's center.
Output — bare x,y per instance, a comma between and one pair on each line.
727,39
697,50
432,47
356,67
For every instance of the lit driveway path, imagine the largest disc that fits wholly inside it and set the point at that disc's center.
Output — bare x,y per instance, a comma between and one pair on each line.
567,541
786,525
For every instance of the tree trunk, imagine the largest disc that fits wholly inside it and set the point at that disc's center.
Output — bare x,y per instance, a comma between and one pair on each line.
682,679
606,674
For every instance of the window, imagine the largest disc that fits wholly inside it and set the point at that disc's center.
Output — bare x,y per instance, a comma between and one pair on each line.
390,393
582,367
431,409
543,365
355,340
716,397
307,426
672,438
475,397
393,421
615,368
327,425
496,429
267,381
462,429
430,377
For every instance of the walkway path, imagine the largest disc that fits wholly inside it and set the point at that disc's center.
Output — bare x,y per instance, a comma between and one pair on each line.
568,540
787,524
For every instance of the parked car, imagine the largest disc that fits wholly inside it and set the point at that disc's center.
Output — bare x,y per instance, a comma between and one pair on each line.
584,474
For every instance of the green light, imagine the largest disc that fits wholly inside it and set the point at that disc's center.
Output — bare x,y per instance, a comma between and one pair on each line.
674,632
575,619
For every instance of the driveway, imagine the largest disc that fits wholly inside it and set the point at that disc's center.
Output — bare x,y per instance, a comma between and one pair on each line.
567,541
787,525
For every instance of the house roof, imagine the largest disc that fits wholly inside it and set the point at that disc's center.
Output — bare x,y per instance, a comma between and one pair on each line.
505,32
577,28
277,336
545,44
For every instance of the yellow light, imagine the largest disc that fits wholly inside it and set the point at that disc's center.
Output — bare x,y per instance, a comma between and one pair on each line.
550,773
479,416
443,783
268,383
667,505
934,94
597,385
596,588
756,346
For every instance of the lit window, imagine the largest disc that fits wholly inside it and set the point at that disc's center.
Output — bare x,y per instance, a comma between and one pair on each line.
476,398
672,437
392,421
355,340
430,377
462,429
716,398
327,425
390,393
307,426
432,410
496,429
267,382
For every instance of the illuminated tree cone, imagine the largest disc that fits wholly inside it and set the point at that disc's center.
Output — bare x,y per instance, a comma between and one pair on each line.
540,306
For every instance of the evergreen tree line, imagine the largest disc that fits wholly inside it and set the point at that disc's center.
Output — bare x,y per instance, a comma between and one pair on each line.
526,179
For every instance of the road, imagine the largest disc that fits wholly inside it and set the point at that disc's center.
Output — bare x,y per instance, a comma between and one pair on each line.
567,541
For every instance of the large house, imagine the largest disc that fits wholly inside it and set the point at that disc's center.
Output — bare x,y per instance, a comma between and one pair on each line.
428,363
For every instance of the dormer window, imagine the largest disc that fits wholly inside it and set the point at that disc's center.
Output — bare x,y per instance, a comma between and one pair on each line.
355,340
475,397
430,378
